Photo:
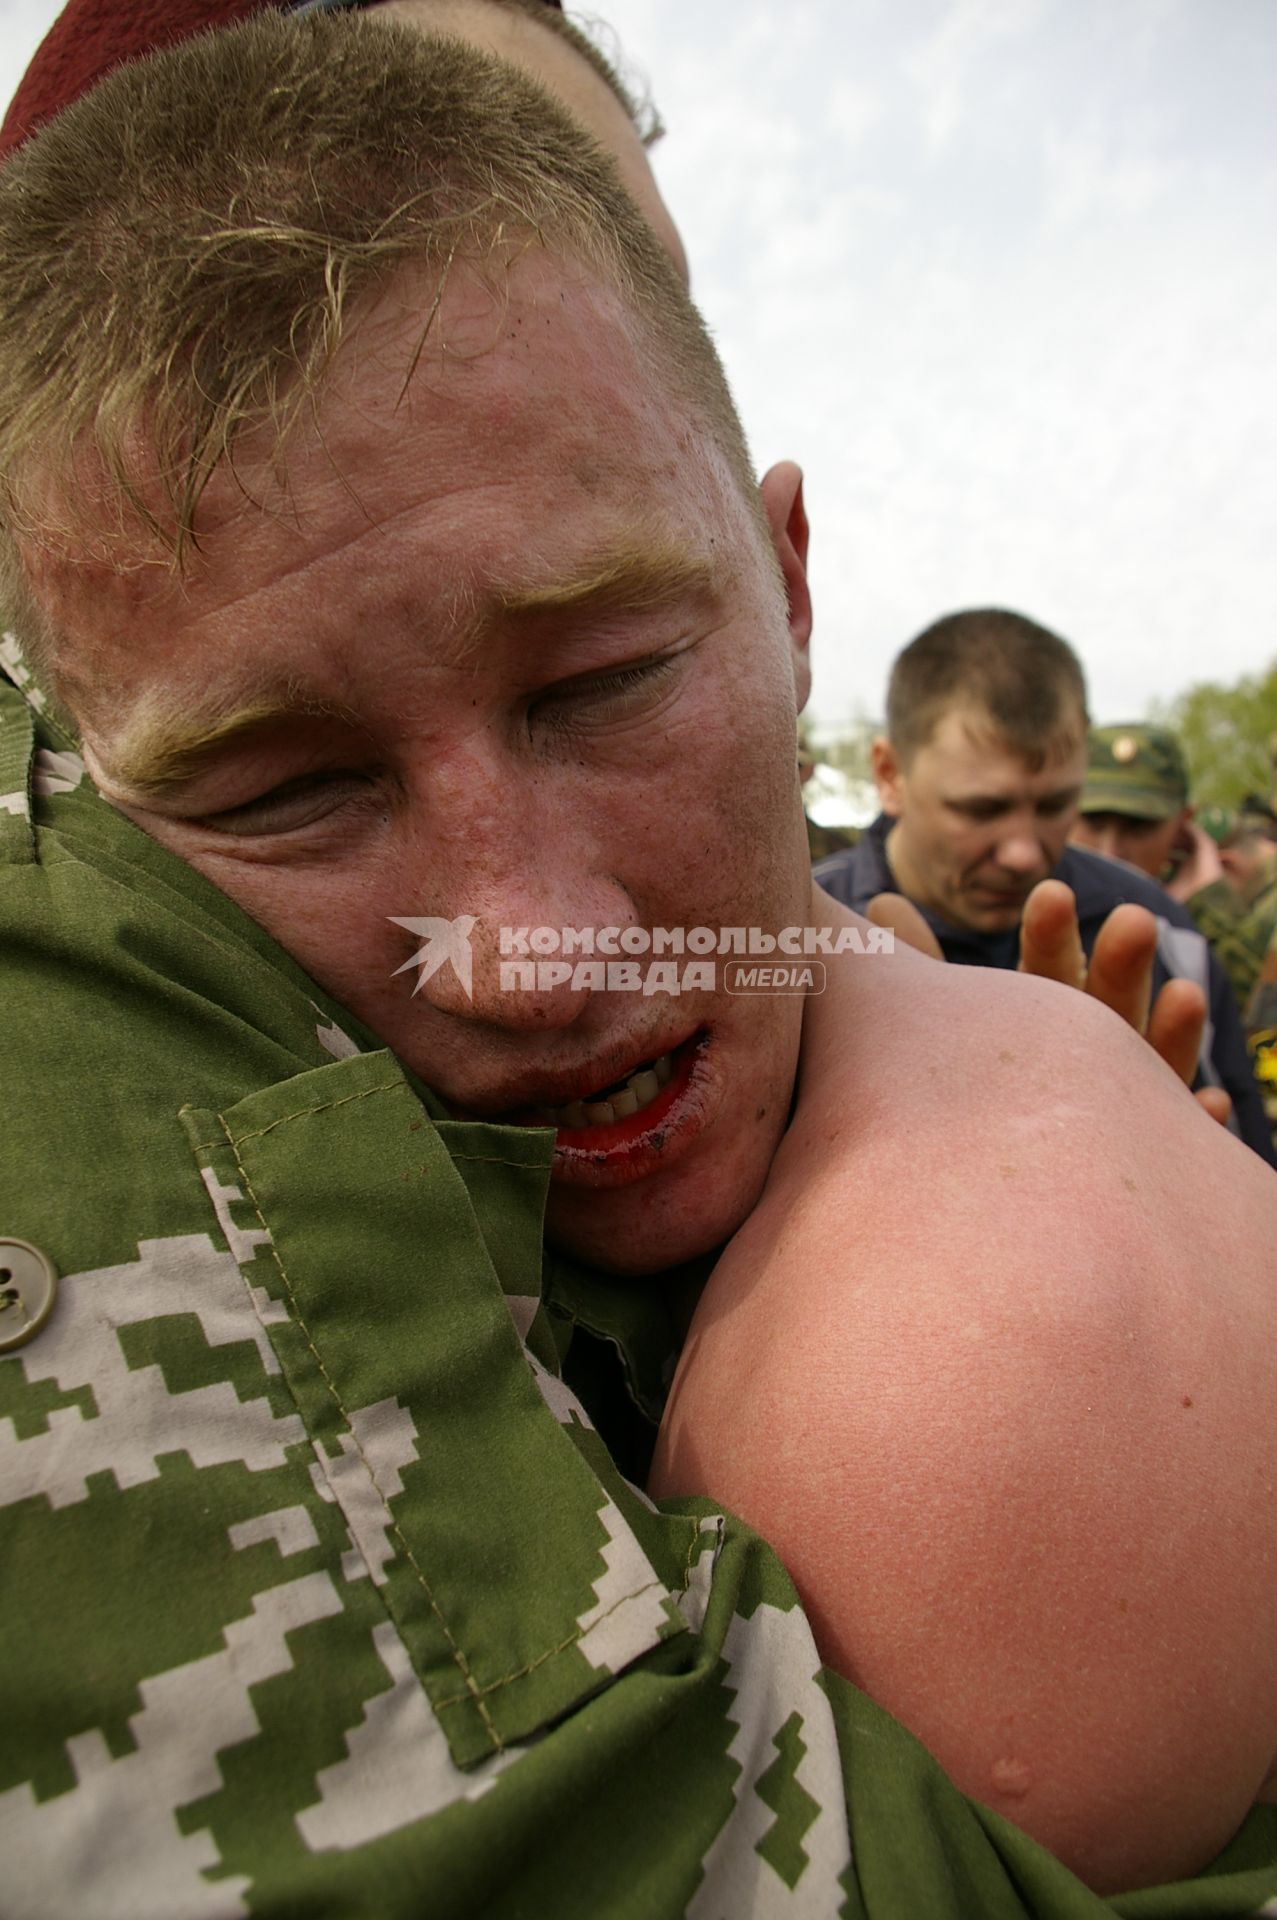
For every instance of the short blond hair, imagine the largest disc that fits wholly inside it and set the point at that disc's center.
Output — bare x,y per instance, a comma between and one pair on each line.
642,114
182,251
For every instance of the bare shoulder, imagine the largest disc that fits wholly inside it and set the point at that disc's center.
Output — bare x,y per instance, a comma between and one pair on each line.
986,1366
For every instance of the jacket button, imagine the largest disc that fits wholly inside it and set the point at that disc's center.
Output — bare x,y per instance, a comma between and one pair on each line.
28,1289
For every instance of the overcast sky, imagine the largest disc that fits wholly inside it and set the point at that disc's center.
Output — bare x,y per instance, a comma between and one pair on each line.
1001,274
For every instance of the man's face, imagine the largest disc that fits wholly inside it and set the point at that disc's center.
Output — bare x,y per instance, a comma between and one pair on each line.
976,826
524,655
1146,844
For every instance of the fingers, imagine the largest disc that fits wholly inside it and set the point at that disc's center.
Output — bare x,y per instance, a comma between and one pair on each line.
1122,958
1050,945
1175,1035
1175,1027
1216,1102
1120,974
894,911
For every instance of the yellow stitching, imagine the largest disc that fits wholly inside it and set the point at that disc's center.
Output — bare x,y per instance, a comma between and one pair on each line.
474,1692
304,1113
521,1673
692,1557
493,1160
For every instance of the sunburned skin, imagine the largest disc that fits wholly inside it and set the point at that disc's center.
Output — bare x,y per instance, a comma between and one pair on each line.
1021,1472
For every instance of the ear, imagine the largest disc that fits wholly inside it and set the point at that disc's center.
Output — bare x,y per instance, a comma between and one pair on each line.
782,496
887,774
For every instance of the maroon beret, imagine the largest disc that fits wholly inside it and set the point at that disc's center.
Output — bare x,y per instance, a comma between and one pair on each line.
89,37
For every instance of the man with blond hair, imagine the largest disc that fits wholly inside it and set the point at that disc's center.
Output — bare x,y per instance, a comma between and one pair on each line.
385,549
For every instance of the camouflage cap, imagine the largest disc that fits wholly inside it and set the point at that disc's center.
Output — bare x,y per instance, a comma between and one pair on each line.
1136,770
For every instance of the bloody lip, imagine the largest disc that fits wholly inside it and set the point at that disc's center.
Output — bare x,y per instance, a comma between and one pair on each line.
629,1148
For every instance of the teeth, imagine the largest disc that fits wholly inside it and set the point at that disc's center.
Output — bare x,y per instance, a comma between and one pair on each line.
636,1093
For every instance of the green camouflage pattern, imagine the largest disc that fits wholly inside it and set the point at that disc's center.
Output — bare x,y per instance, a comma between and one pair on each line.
1239,926
1137,770
1260,1021
322,1594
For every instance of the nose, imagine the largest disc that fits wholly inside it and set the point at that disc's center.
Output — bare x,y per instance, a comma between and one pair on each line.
496,973
507,906
1020,852
530,970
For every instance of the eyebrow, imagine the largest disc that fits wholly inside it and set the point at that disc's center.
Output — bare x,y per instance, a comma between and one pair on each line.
633,576
163,747
1007,801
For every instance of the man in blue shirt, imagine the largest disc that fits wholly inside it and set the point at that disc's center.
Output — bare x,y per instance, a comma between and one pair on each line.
980,773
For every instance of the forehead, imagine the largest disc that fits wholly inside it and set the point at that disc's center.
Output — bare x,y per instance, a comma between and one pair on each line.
495,403
482,448
968,751
478,369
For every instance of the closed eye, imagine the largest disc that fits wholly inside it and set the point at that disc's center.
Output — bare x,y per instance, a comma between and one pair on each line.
292,805
598,698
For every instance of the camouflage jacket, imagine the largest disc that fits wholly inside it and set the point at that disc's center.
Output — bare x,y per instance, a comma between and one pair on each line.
322,1594
1239,928
1261,1030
